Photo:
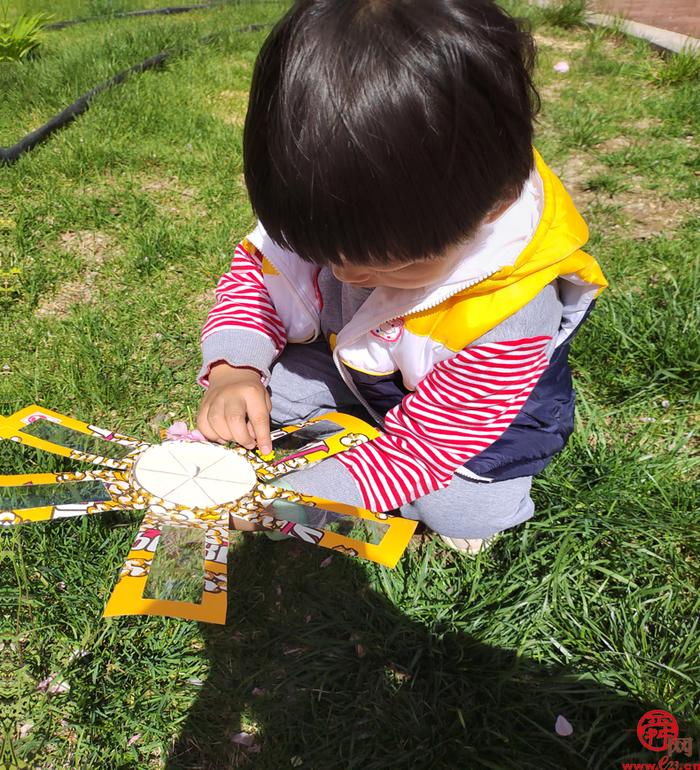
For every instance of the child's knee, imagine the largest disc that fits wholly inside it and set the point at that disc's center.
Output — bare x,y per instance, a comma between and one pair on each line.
473,510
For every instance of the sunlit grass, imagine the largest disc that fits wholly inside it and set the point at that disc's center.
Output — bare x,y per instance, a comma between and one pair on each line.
121,225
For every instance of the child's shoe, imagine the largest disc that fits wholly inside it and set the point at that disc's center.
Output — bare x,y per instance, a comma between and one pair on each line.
470,547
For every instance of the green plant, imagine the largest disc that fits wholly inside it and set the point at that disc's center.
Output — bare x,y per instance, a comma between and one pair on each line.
565,14
587,127
606,183
19,38
680,67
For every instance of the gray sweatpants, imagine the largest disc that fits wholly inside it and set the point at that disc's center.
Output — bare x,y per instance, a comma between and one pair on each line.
305,383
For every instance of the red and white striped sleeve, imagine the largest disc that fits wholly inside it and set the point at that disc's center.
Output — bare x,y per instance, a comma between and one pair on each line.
243,302
458,410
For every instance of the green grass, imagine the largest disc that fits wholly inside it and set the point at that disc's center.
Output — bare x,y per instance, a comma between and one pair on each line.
122,223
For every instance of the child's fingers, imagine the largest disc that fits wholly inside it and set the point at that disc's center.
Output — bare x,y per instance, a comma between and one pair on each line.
206,429
240,413
259,422
229,425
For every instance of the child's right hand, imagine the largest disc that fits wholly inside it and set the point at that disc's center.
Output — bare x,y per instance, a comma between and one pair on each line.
234,395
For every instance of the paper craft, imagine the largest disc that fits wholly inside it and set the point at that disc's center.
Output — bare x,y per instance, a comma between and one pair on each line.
188,489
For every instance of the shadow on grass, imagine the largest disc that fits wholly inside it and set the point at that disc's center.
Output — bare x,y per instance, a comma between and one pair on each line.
325,672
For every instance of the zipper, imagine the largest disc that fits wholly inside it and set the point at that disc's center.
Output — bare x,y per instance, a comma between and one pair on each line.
316,321
341,367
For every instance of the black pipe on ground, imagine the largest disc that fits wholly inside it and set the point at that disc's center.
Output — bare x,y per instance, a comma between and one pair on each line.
70,113
154,12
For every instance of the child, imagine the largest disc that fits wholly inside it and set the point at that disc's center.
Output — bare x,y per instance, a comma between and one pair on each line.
413,241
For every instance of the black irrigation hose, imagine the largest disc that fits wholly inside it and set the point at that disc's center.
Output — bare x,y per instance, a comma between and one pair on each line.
155,12
70,113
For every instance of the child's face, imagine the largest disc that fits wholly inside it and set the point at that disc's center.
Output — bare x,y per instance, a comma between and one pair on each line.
413,275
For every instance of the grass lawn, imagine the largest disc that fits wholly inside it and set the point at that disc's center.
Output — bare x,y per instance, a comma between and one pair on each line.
121,225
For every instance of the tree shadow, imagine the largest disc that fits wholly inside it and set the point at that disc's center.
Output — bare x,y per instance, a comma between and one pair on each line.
325,672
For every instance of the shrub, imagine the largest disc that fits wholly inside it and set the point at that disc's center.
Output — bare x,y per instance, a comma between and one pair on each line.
565,13
18,39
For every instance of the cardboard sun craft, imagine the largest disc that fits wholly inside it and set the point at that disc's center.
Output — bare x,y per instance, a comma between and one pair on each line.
188,489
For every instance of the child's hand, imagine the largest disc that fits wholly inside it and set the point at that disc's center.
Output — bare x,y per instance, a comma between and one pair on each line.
233,395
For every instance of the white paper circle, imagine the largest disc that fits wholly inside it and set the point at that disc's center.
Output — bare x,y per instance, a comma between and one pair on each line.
194,475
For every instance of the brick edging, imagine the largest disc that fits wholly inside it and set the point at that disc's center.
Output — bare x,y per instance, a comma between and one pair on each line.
662,40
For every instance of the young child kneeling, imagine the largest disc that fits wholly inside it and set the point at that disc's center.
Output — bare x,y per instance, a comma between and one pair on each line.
414,255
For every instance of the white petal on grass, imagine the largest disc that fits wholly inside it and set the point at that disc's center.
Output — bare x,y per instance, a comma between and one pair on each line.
245,739
561,66
563,727
133,739
77,654
326,562
47,685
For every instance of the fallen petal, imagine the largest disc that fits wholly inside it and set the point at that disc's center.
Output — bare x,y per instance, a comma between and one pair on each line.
307,619
245,739
279,590
327,561
76,654
133,739
563,727
179,431
258,691
561,66
24,730
195,682
43,686
176,430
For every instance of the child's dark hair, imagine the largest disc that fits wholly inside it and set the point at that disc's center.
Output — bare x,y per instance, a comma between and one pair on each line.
388,130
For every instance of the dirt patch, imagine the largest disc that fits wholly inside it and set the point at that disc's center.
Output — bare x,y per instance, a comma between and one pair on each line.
646,123
566,46
616,143
645,215
94,248
73,293
207,299
575,173
231,107
635,212
550,91
170,194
